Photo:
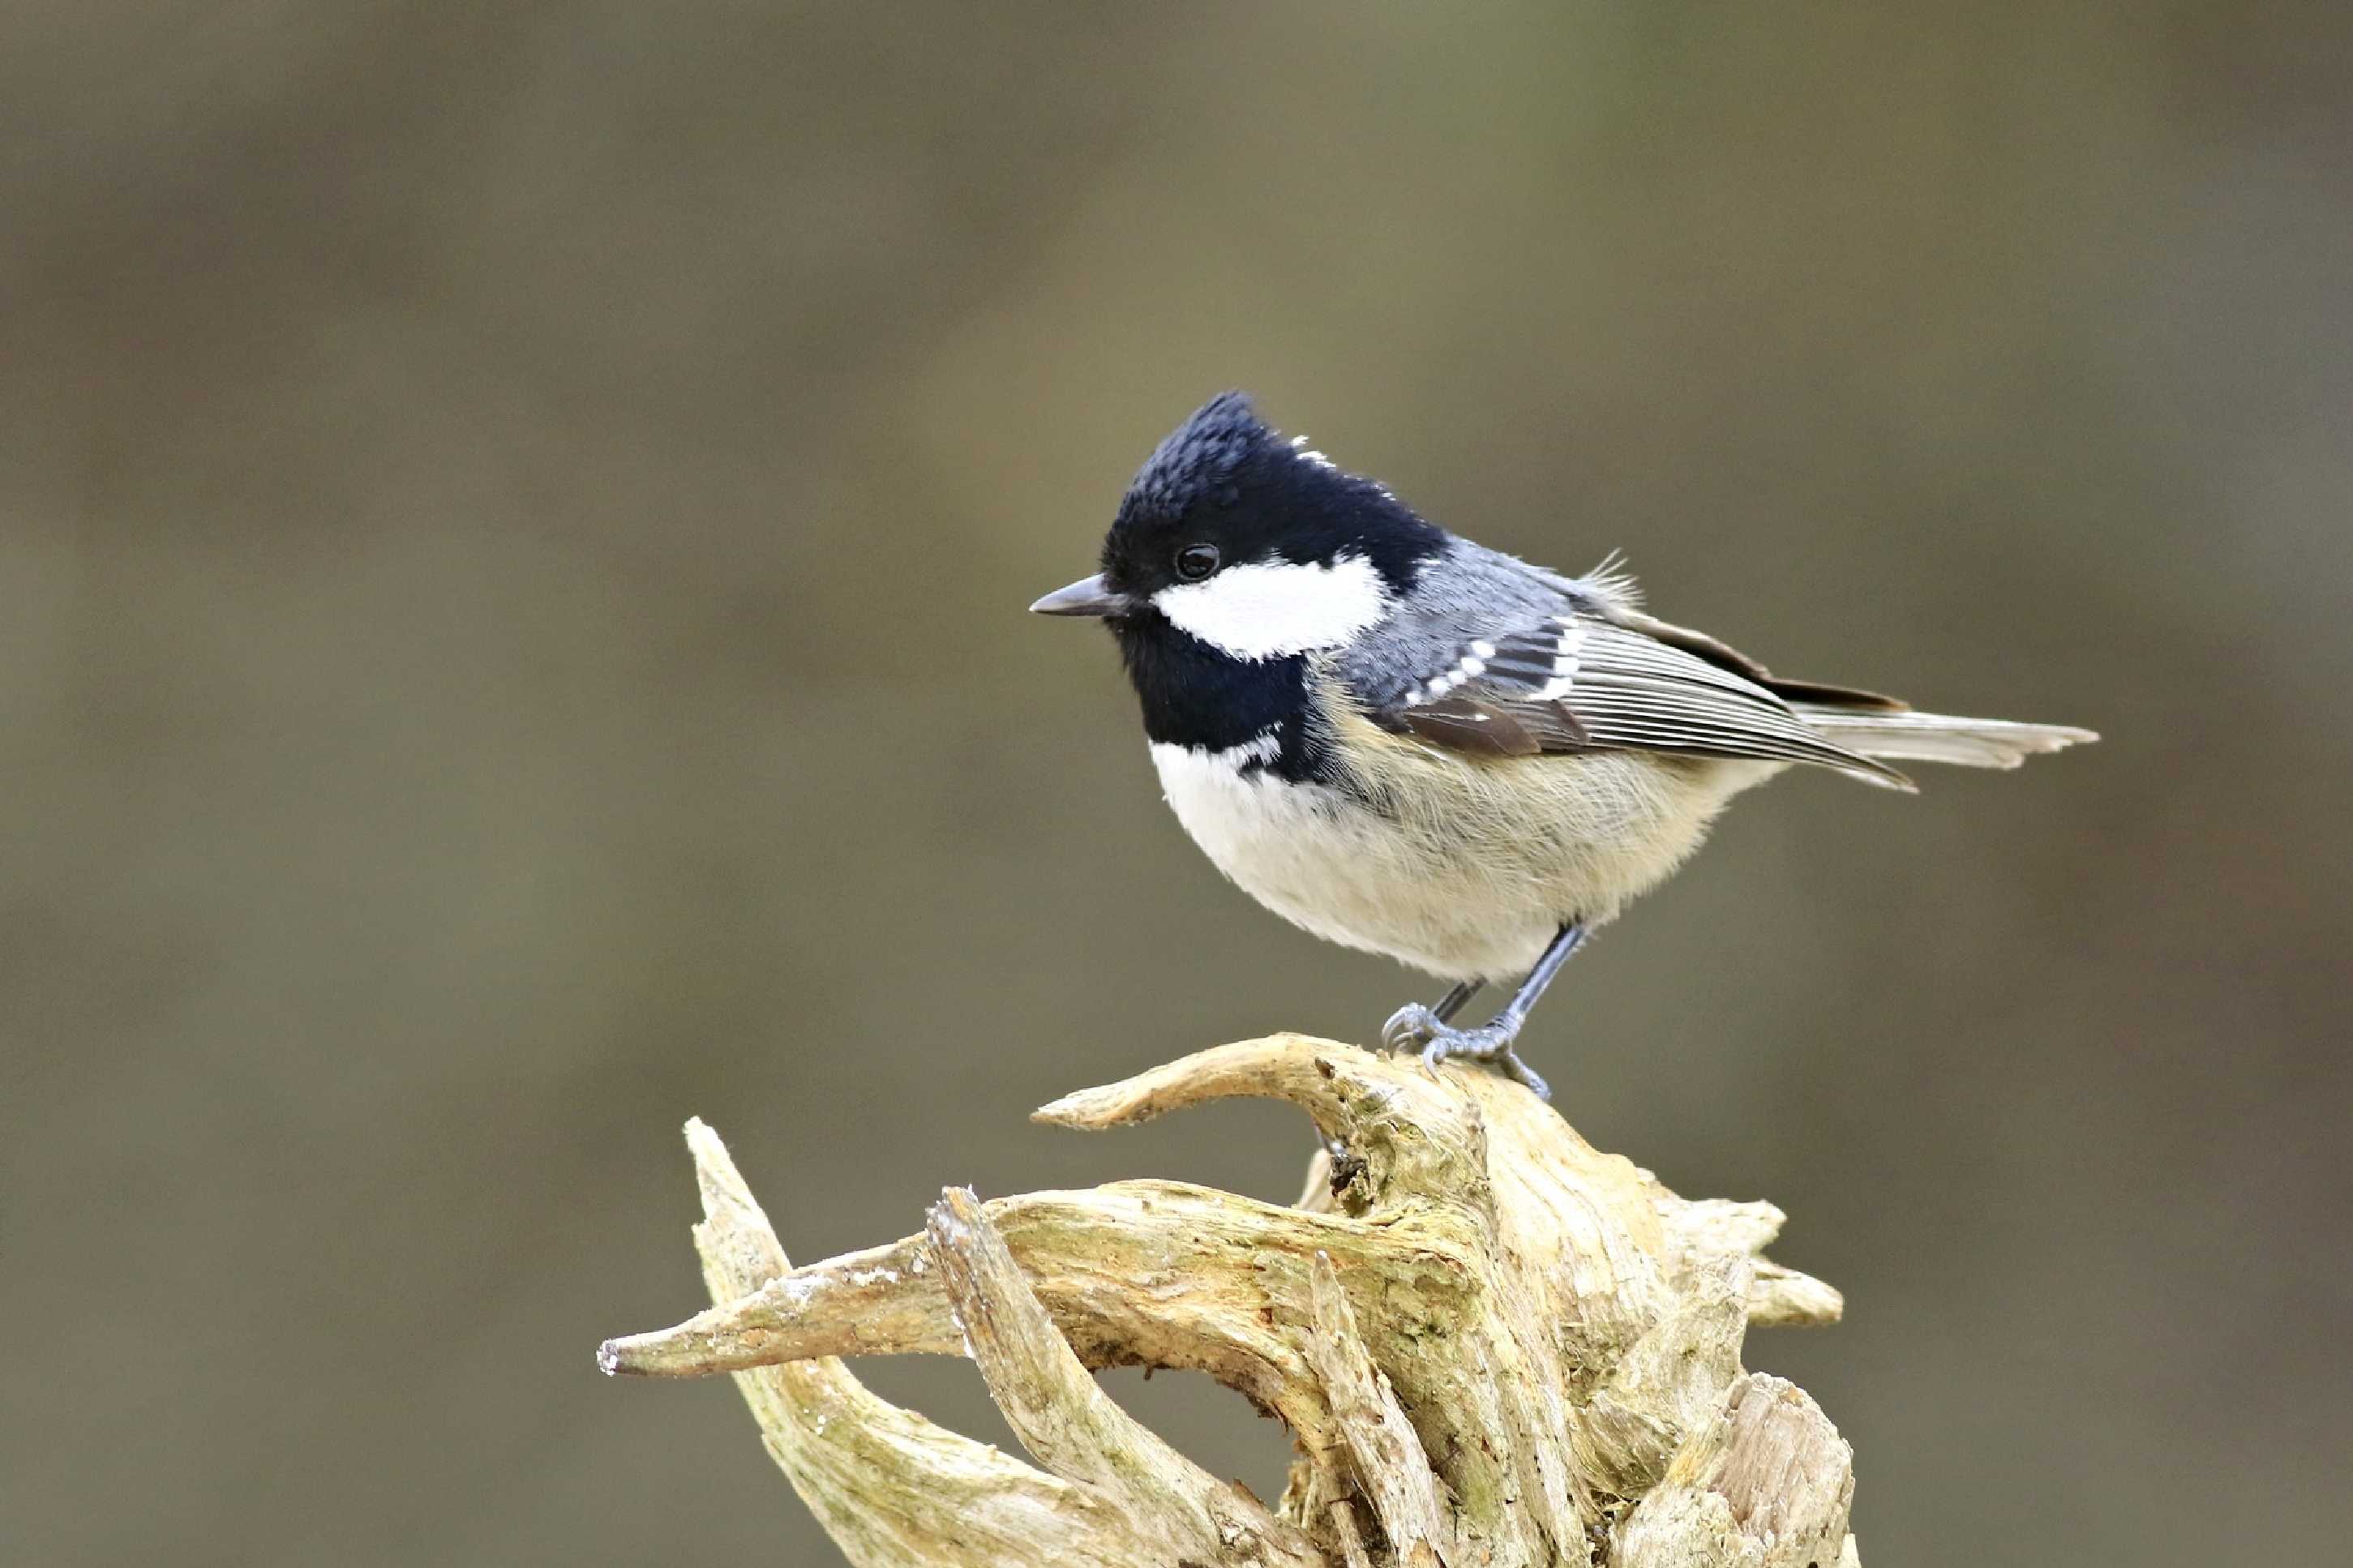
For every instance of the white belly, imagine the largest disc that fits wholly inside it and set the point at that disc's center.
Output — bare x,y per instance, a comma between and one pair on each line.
1474,864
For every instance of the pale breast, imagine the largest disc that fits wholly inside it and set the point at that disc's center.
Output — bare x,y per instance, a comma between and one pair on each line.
1460,866
1306,851
1448,863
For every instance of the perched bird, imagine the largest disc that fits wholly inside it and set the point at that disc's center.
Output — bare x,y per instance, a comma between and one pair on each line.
1410,743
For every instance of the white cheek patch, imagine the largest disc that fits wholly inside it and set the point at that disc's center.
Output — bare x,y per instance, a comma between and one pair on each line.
1273,609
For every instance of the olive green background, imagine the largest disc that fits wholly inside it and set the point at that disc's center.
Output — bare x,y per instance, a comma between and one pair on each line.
514,524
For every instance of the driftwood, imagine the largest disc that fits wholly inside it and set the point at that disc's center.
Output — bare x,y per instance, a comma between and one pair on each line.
1492,1343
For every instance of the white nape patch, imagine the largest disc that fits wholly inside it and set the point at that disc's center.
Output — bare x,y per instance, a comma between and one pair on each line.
1272,609
1310,455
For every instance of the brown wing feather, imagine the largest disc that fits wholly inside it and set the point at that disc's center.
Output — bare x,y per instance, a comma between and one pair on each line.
1463,724
1488,724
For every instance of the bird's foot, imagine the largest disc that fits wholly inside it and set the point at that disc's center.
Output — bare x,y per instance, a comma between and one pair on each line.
1416,1027
1412,1026
1489,1043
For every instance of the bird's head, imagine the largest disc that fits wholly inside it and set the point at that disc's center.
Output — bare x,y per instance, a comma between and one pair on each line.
1249,543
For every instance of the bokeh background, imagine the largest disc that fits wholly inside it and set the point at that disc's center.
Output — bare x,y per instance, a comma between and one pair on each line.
514,526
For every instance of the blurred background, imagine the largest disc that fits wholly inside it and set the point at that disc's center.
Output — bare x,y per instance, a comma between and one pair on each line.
514,528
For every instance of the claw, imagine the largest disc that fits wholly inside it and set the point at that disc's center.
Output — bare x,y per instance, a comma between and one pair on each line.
1492,1043
1526,1076
1411,1025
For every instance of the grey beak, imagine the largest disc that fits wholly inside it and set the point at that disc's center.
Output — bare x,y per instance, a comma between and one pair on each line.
1087,596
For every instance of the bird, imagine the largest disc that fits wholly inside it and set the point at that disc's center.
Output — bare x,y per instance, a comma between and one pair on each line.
1407,743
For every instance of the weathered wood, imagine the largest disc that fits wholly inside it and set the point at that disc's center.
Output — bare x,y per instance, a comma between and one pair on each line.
1385,1453
1494,1345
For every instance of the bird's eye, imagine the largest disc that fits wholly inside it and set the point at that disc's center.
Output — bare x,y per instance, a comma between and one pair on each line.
1196,562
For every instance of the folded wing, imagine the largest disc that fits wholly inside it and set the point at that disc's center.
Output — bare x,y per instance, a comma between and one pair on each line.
1603,678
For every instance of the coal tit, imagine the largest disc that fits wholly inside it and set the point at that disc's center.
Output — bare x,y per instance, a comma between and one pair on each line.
1410,743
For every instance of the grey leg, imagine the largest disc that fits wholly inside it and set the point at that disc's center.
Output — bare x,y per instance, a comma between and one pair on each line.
1492,1041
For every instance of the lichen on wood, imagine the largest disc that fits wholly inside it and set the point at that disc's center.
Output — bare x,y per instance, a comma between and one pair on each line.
1495,1346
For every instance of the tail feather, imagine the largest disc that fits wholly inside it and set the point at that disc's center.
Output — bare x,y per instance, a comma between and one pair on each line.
1938,738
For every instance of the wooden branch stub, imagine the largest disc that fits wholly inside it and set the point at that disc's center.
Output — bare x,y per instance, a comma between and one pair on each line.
1174,1510
1496,1347
1767,1484
888,1485
1385,1452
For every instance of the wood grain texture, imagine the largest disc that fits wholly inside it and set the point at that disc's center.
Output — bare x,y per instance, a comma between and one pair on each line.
1495,1346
